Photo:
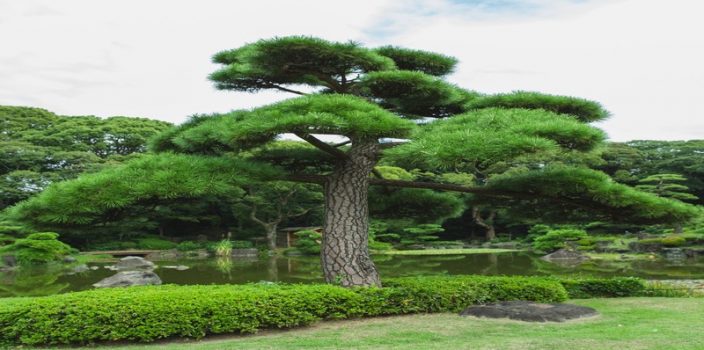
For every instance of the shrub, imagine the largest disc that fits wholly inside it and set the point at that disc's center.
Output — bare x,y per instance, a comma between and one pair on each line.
667,241
223,248
376,245
673,241
155,243
38,248
421,234
535,232
113,245
188,245
148,313
308,242
557,239
242,244
453,293
603,288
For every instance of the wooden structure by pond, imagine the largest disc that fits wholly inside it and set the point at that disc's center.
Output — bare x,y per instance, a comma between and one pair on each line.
286,237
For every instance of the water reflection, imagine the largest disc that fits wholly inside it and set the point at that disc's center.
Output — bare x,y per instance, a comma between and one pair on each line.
53,280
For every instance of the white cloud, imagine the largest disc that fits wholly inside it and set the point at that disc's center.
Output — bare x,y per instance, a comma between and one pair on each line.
640,58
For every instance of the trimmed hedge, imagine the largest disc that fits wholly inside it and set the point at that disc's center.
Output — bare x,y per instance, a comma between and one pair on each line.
454,293
604,287
156,312
149,313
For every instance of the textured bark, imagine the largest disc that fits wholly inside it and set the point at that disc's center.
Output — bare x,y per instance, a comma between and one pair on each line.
488,224
345,249
271,236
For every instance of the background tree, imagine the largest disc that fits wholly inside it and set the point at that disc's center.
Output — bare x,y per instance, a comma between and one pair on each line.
271,204
634,160
666,185
365,96
38,147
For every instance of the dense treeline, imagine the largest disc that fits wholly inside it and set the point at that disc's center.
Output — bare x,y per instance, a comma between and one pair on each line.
39,148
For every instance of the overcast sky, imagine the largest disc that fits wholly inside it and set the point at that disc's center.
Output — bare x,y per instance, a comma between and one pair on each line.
642,59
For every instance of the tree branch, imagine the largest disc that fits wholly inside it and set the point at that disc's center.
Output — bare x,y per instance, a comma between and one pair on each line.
342,143
325,147
253,216
279,87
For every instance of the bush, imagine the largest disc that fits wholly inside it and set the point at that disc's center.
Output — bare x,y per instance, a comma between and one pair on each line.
148,313
38,248
242,245
667,241
188,245
603,288
113,245
222,248
673,241
155,243
308,242
453,293
557,239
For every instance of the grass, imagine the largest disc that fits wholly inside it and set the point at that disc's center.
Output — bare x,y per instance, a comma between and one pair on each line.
627,323
91,258
445,251
620,256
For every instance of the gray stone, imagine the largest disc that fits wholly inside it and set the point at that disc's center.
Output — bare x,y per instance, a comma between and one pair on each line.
176,267
245,252
69,259
673,254
530,311
9,260
171,254
78,269
564,255
134,263
129,278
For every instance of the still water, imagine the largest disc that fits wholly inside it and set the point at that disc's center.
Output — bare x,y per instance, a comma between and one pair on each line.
52,280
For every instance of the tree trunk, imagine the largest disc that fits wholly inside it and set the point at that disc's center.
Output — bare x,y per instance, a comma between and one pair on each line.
345,251
271,236
488,224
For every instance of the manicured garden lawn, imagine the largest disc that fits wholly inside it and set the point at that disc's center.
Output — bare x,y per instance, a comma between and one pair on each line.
625,323
445,251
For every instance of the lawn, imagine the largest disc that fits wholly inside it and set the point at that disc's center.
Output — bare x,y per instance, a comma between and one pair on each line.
444,251
627,323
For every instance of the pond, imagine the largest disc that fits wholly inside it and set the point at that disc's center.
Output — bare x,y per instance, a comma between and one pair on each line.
52,280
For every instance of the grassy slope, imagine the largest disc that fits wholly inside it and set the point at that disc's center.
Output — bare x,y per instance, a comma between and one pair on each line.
628,323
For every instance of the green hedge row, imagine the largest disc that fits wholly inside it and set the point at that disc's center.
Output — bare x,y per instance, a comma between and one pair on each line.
156,312
584,288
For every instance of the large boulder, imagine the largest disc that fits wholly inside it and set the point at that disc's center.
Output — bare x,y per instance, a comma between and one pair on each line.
129,278
530,311
133,263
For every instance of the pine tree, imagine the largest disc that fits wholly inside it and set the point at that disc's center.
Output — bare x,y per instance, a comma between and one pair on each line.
367,97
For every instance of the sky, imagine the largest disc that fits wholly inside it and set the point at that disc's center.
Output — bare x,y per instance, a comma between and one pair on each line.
642,59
